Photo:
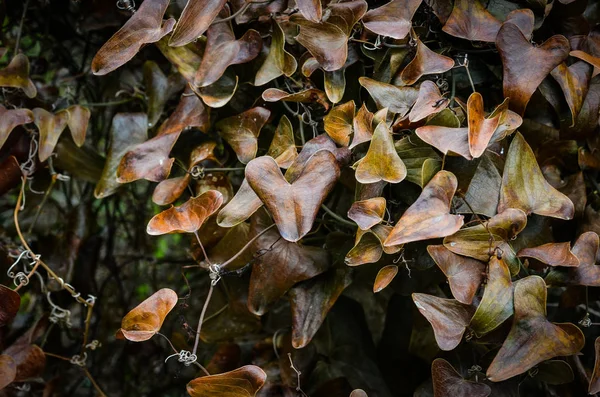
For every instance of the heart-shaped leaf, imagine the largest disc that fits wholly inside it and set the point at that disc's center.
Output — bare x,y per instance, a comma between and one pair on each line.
393,19
421,160
464,274
470,20
595,378
327,41
242,382
482,241
16,75
424,63
448,317
190,112
446,139
11,118
524,186
428,217
310,9
552,254
574,81
448,382
312,299
196,17
283,147
145,320
79,118
362,126
497,303
429,102
395,99
11,301
279,265
320,142
219,93
384,277
525,65
294,206
149,160
309,95
51,126
532,338
170,189
381,163
8,370
145,26
126,131
587,273
188,217
483,193
367,213
241,132
278,61
481,129
368,246
338,123
241,207
223,50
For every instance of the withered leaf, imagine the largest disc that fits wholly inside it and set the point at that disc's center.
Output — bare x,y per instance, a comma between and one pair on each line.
149,160
429,102
79,118
446,139
532,338
481,129
145,320
278,61
310,9
11,301
16,75
464,274
393,19
368,246
524,186
395,99
367,213
309,95
338,123
384,277
595,378
362,126
358,393
170,189
294,206
587,273
219,93
223,50
421,160
497,303
448,382
30,360
194,20
327,41
242,382
8,370
283,147
190,112
145,26
241,207
470,20
382,162
425,62
11,118
188,217
448,317
241,131
574,81
428,217
525,65
552,254
51,126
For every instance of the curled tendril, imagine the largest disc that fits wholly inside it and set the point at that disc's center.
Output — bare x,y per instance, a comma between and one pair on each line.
215,273
185,357
128,5
79,360
586,321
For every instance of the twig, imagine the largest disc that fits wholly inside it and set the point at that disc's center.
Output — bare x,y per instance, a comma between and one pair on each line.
41,205
18,42
201,320
298,374
91,378
202,248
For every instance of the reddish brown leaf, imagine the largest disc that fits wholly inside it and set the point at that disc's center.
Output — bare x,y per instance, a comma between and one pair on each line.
574,81
524,186
587,273
393,19
223,50
16,75
470,20
525,65
11,118
320,142
169,190
8,370
362,126
448,317
149,160
328,41
446,139
552,254
384,277
429,102
294,206
145,320
242,382
532,338
424,63
310,9
281,264
584,56
481,129
30,360
395,99
11,301
428,217
241,132
145,26
595,378
194,20
448,382
464,274
381,163
51,126
188,217
367,213
338,123
306,96
190,112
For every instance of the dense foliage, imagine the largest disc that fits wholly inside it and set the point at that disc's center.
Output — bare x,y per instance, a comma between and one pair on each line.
299,198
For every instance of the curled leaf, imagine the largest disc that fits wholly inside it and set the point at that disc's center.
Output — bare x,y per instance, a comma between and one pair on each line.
188,217
170,189
470,20
309,95
145,26
278,61
242,382
395,99
194,20
51,126
481,129
338,123
79,118
367,213
446,139
241,207
283,147
11,118
393,19
587,273
190,112
241,131
384,277
145,320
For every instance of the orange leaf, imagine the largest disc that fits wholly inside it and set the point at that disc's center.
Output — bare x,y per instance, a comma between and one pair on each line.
428,217
242,382
552,254
241,132
362,126
79,118
384,277
338,123
532,338
169,190
446,139
149,160
188,217
145,320
424,63
587,273
145,26
190,112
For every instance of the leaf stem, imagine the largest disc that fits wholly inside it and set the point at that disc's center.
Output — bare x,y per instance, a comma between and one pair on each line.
337,217
201,320
248,244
